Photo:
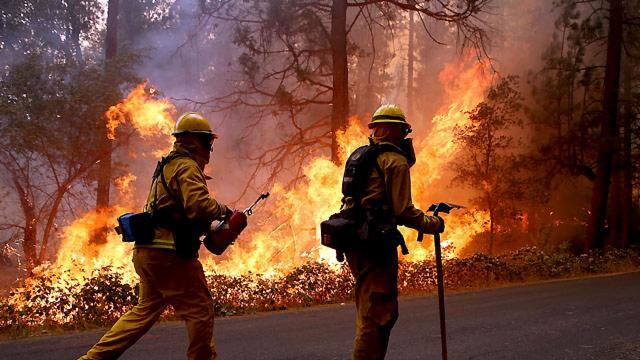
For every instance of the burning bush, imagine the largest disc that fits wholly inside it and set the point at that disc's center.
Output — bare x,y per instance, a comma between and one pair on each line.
57,299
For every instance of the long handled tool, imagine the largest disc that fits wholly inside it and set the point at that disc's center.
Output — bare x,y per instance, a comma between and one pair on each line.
438,208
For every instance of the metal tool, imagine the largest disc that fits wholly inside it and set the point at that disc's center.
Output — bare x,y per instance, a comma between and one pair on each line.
441,207
249,211
227,231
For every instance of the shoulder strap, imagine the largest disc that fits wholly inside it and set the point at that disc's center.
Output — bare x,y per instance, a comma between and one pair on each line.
376,166
159,173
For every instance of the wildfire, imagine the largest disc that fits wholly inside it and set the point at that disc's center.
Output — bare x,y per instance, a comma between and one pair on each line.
297,212
78,255
288,234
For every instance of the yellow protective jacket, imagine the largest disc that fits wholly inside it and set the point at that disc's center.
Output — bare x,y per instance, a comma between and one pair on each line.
187,182
397,179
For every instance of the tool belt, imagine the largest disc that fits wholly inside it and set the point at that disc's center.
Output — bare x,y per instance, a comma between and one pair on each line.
136,227
186,233
140,227
361,230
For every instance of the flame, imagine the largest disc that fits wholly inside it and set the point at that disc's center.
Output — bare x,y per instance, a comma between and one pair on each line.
78,254
286,233
291,235
293,240
149,116
124,185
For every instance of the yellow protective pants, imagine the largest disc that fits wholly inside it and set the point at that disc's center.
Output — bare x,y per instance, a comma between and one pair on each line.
165,279
376,293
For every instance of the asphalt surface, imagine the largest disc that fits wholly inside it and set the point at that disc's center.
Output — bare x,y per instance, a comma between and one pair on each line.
595,318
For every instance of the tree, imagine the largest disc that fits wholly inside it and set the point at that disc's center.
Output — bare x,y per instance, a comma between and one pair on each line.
577,97
410,61
488,162
50,118
106,144
609,127
297,59
54,29
567,99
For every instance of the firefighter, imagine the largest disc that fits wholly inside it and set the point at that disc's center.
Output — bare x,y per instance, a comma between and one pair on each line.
387,200
170,273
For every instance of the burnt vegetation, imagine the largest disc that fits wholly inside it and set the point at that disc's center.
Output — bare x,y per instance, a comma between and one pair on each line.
102,296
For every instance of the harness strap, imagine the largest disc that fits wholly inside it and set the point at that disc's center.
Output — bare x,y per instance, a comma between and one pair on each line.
403,244
159,173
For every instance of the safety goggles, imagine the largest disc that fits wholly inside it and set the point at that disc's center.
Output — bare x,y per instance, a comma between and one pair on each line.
207,141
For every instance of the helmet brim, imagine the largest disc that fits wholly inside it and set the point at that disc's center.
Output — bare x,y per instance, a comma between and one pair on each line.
372,124
195,132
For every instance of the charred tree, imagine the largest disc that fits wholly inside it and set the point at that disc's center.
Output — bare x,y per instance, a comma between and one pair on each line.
340,97
608,129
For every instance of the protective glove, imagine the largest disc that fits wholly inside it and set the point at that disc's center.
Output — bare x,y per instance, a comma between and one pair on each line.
433,225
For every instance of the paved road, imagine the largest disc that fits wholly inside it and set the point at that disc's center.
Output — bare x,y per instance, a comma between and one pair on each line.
597,318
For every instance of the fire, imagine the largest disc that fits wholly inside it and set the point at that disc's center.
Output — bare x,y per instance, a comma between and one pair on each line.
464,86
297,212
81,257
124,184
286,233
149,116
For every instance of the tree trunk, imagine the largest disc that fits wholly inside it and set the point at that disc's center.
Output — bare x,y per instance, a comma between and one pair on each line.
106,147
340,101
74,20
491,228
614,213
608,128
111,48
53,212
30,241
410,60
627,188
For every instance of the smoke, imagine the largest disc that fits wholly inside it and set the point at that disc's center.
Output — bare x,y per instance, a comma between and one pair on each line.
191,62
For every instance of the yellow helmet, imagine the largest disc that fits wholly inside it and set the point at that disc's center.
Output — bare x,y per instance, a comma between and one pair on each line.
193,123
389,113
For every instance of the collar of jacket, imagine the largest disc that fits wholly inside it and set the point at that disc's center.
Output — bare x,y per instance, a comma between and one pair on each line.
190,151
406,148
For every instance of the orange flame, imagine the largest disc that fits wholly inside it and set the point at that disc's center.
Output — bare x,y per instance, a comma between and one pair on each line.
288,233
149,116
296,213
